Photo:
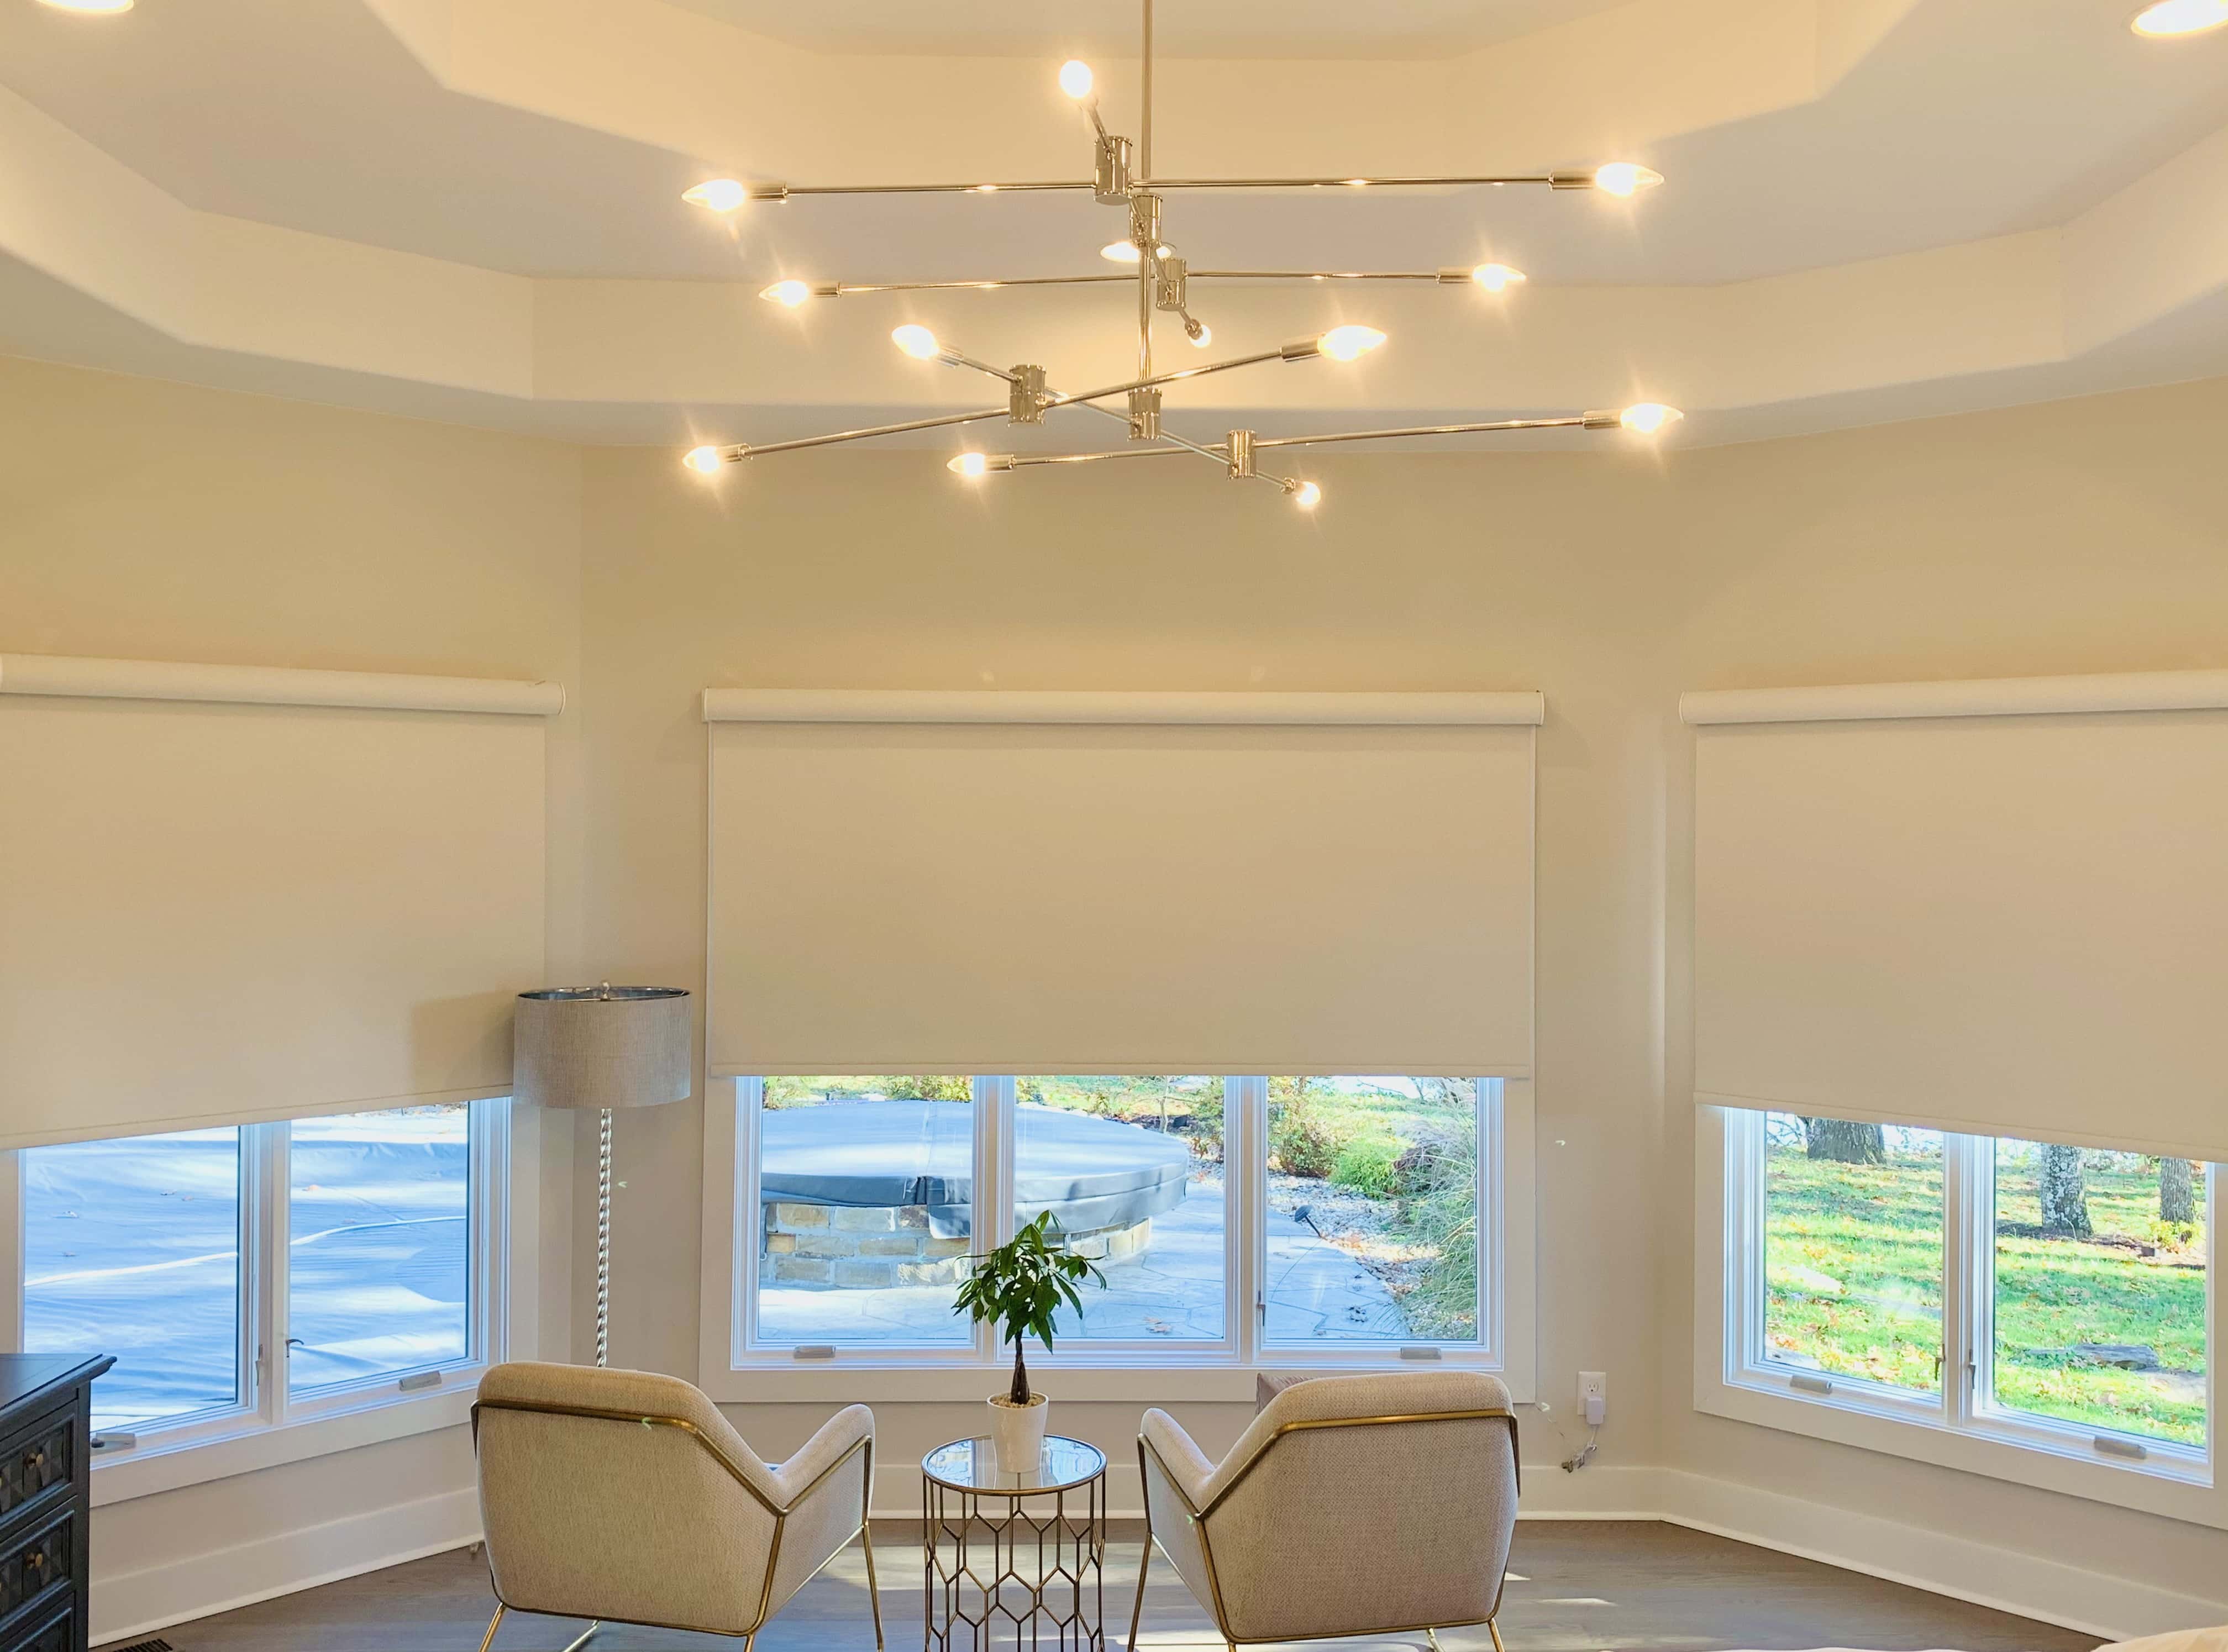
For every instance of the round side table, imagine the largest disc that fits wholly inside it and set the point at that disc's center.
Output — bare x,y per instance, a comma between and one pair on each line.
1025,1548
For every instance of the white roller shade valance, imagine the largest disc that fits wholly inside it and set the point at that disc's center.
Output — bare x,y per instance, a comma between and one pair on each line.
1992,907
1111,883
235,893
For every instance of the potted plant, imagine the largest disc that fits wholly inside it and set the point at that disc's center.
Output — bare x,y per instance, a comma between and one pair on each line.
1020,1286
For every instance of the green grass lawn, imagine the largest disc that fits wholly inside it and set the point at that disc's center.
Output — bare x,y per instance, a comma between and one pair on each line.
1853,1276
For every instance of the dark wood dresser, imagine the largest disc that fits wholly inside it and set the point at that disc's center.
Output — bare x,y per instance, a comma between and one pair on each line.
46,1499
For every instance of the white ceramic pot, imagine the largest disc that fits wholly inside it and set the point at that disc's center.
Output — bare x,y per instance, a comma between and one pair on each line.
1017,1433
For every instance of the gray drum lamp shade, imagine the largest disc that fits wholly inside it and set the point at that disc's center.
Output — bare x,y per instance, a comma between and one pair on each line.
602,1047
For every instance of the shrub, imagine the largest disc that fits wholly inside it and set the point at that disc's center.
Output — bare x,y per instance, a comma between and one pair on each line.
1370,1165
1303,1143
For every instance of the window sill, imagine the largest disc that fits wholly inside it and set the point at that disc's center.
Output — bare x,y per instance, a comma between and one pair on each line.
862,1380
151,1467
2172,1487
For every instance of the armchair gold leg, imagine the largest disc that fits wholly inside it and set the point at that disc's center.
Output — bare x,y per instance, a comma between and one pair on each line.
1432,1636
586,1636
494,1623
1493,1628
1144,1565
874,1594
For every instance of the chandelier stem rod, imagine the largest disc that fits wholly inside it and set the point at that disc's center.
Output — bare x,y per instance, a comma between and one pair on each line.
998,412
1145,123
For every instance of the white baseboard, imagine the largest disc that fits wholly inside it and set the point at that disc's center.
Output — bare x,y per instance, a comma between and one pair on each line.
2052,1589
130,1605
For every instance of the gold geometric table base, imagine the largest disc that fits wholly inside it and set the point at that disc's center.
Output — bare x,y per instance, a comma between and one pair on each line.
1028,1560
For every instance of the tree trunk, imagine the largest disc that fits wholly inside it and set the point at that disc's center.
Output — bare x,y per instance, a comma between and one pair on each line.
1847,1143
2064,1200
2177,1192
1019,1393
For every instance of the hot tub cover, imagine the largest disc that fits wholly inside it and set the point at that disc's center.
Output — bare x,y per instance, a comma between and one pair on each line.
1089,1173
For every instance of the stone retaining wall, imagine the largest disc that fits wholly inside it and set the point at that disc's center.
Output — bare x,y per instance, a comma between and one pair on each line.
876,1246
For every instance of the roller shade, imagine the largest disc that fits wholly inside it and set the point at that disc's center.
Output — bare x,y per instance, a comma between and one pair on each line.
1121,883
230,894
1999,908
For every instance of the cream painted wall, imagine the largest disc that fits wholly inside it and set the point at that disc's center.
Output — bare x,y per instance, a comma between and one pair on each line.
146,519
143,518
2079,536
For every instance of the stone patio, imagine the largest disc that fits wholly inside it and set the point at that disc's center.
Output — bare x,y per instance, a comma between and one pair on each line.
1172,1289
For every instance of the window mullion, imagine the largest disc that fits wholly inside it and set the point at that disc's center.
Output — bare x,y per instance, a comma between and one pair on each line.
993,1221
263,1258
1244,1170
1960,1305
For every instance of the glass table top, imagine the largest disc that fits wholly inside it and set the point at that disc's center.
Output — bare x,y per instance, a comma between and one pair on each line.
972,1465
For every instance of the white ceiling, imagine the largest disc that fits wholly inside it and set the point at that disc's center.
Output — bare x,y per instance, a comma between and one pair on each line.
1334,28
1997,193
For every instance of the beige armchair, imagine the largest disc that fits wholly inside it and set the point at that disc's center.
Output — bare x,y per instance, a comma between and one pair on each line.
625,1498
1364,1505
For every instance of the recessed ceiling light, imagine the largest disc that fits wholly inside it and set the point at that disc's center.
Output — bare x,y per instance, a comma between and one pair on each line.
2171,17
90,5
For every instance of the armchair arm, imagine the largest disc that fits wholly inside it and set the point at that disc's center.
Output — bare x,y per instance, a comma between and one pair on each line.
837,1437
1188,1467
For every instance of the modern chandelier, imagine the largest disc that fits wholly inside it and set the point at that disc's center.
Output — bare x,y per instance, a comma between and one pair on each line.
1122,176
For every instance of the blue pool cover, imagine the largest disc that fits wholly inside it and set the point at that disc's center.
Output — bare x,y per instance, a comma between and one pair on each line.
1089,1172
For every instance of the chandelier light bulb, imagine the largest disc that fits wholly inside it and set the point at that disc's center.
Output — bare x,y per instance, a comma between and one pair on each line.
91,5
789,293
1345,343
1306,495
1496,278
1623,178
1200,333
717,194
916,341
702,460
1649,417
1118,252
1075,78
2170,18
967,464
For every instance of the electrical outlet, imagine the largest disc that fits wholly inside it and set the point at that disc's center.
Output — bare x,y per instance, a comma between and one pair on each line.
1593,1396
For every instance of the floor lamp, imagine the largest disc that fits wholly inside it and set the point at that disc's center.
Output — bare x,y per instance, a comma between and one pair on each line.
603,1047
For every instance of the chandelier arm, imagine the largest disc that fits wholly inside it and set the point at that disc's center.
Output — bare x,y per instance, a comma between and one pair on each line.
847,289
753,450
1574,421
1175,376
1024,461
1315,275
1349,182
789,190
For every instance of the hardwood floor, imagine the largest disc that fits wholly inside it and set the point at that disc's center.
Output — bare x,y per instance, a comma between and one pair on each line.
1574,1586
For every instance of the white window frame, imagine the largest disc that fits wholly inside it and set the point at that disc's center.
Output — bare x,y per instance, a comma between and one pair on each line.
265,1425
1960,1427
734,1368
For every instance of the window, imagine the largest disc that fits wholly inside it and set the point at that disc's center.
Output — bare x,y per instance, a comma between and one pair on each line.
1372,1213
1852,1251
865,1211
368,1272
2043,1311
1305,1220
132,1248
2096,1303
1131,1171
379,1256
